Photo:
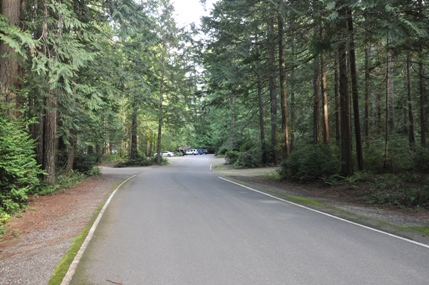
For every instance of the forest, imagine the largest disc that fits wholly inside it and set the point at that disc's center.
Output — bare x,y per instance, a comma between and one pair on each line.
326,89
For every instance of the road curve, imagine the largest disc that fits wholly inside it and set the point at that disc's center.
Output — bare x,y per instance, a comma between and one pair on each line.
181,224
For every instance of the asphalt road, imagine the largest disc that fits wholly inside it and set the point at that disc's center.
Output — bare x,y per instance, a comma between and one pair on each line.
181,224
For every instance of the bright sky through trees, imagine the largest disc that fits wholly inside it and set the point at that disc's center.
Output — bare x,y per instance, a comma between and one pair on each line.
188,11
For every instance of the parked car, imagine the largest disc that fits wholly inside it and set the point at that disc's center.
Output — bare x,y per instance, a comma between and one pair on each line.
166,153
200,151
191,151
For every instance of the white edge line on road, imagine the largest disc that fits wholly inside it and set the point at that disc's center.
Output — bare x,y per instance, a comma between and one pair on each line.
326,214
70,272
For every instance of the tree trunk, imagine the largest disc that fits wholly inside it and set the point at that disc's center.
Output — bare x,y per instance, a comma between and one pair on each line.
391,95
422,91
160,109
423,102
50,132
346,139
316,81
9,67
325,104
134,124
264,158
233,122
367,90
411,137
316,100
272,80
337,100
71,150
386,122
292,97
262,123
355,93
283,94
160,119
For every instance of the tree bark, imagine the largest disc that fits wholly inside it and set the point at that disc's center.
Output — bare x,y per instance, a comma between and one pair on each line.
337,100
264,158
367,91
355,92
262,123
50,146
346,138
233,122
423,102
272,83
134,124
422,91
316,82
292,97
316,100
9,67
411,137
71,150
325,104
283,93
391,94
387,117
160,118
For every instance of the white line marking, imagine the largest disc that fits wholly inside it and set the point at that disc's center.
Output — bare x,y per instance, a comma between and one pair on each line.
69,275
326,214
211,166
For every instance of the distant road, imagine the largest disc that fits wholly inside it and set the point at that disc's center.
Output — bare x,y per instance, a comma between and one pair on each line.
181,224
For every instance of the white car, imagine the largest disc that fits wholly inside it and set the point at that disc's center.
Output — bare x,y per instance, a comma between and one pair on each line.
191,151
166,153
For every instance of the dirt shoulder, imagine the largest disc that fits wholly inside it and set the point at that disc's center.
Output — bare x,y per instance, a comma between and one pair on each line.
38,238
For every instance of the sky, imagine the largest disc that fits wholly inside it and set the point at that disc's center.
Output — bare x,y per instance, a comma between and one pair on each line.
188,11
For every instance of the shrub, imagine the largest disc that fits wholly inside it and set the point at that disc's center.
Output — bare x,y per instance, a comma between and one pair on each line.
70,179
310,163
231,156
222,151
248,159
421,160
109,158
374,157
19,172
389,189
140,161
84,163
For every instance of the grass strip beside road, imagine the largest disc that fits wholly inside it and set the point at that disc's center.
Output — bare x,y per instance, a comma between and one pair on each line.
64,265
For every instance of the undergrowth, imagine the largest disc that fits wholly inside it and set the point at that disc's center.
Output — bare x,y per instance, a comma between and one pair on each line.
141,161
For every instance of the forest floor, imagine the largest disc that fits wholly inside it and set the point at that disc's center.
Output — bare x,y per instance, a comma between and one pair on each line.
38,238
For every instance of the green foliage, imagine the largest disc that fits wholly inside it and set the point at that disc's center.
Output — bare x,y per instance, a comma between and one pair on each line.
374,157
111,158
15,37
19,172
389,189
70,179
222,151
248,159
140,161
231,156
84,162
310,162
401,157
421,160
